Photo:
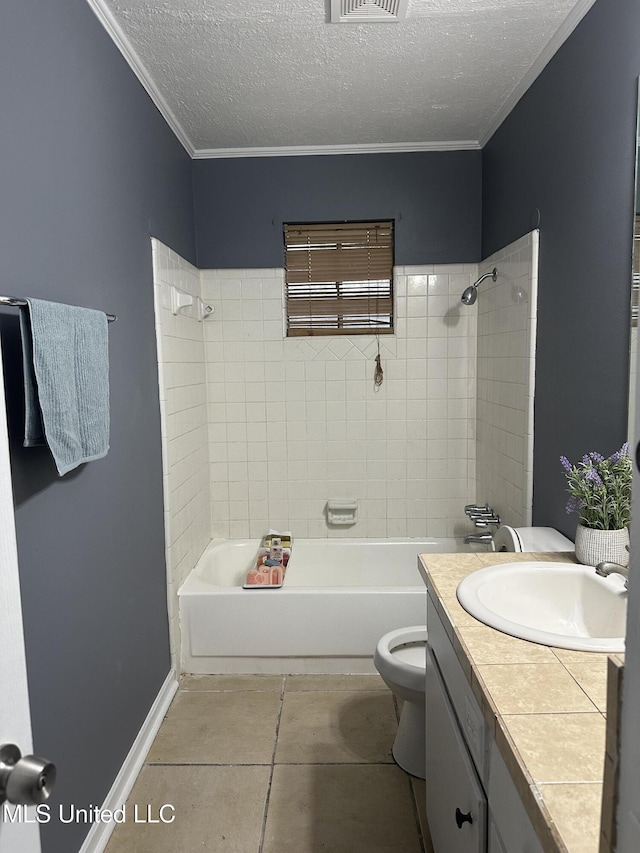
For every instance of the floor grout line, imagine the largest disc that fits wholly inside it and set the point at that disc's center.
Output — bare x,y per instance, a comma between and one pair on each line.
273,764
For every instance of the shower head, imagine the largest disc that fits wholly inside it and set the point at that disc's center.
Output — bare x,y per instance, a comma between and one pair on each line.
471,293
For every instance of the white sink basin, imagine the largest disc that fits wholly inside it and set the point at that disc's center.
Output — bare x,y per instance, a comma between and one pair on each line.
556,604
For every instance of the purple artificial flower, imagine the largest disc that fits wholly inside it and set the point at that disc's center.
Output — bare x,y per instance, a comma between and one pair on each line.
566,464
573,504
600,488
592,476
620,454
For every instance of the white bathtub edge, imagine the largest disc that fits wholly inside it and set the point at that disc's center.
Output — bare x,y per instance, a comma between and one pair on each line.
99,834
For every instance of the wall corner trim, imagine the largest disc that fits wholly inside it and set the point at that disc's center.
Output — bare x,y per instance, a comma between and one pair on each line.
99,834
115,31
569,24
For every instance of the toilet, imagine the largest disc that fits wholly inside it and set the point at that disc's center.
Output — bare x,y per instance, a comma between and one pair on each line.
401,660
519,539
400,656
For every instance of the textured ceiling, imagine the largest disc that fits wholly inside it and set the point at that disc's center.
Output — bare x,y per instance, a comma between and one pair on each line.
270,73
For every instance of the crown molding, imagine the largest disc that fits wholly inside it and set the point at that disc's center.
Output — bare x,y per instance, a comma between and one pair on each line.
569,24
315,150
115,31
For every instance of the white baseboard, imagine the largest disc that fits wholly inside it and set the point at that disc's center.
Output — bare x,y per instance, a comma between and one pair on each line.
203,665
99,834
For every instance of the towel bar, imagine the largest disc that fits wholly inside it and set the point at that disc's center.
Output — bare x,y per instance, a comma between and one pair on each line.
15,302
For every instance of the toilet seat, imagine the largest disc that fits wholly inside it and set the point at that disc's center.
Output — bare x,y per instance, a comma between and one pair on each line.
400,657
414,654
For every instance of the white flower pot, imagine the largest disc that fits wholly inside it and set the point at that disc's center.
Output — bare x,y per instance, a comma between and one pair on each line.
597,546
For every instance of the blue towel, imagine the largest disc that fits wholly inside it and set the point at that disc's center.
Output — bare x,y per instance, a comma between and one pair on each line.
66,381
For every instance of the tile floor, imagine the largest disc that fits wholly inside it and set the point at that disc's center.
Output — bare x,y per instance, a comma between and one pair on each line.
277,764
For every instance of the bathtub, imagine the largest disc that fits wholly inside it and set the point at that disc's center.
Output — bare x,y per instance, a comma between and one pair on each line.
339,597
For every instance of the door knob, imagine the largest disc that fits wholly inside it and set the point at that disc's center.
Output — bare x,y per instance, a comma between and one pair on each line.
24,779
463,818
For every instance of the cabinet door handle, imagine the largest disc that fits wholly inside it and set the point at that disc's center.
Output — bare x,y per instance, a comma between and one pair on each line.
463,818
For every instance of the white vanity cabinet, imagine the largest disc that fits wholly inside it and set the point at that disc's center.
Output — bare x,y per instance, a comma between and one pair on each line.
457,806
472,803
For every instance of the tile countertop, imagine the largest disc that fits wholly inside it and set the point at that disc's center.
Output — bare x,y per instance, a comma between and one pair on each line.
546,707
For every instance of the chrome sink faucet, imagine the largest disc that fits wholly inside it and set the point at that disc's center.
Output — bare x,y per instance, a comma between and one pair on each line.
605,569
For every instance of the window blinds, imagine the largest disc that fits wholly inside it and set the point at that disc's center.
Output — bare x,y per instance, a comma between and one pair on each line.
339,278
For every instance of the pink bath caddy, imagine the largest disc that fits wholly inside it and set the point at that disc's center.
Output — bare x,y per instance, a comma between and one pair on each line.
261,572
256,573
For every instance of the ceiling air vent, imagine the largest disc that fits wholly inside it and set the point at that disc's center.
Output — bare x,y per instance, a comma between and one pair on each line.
367,11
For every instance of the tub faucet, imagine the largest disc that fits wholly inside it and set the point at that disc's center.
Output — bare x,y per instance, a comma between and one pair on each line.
484,538
605,569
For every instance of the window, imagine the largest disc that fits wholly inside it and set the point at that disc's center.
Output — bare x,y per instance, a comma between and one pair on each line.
339,278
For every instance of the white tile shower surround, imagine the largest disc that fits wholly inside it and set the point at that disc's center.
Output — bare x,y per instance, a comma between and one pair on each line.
260,430
295,421
506,380
185,438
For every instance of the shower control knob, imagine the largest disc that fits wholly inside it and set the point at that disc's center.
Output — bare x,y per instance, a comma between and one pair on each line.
484,520
25,780
473,509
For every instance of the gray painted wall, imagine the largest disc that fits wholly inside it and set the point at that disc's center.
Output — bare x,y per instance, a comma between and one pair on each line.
568,150
433,196
88,171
